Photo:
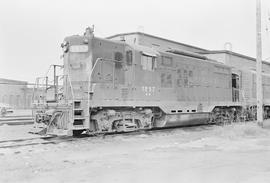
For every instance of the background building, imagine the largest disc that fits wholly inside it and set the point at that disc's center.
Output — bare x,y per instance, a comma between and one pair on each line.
224,56
15,93
235,60
154,42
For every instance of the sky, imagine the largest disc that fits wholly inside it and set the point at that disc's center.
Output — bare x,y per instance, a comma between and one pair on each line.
31,31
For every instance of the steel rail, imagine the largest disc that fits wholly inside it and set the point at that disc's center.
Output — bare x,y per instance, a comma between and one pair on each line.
34,141
61,139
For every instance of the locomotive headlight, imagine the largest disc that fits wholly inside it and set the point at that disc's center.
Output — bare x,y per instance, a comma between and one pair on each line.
65,49
64,46
65,43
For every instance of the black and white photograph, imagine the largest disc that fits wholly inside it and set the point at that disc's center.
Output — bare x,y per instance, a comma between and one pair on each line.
135,91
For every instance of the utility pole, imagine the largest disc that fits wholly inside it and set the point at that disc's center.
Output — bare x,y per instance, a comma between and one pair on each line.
259,64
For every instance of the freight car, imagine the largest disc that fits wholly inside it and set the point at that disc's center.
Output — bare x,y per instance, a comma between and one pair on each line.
111,86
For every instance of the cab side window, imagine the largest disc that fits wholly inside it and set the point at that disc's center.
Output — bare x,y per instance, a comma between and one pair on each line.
129,56
118,56
148,62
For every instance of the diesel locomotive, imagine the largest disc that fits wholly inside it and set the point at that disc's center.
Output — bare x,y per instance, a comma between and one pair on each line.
111,86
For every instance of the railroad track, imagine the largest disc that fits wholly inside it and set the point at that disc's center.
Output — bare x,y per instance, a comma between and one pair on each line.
59,139
56,139
34,141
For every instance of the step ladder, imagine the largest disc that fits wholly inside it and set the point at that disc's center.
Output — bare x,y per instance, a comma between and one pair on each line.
80,118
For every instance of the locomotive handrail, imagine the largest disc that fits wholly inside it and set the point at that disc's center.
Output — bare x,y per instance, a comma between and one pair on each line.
36,89
90,76
91,72
39,88
88,89
71,88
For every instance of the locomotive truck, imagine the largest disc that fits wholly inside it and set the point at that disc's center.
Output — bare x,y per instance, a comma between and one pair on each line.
112,86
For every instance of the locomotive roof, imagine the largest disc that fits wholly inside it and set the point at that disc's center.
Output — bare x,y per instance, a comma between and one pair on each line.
79,37
108,40
200,59
151,51
144,49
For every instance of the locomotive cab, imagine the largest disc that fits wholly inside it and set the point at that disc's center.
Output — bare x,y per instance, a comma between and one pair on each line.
100,72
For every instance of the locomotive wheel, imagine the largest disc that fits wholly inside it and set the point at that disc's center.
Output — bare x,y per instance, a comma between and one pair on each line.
159,122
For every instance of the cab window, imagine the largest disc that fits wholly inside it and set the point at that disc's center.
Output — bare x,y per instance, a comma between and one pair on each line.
148,62
129,57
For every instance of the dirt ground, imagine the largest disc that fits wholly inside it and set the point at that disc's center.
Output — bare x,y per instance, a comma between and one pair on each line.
233,153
